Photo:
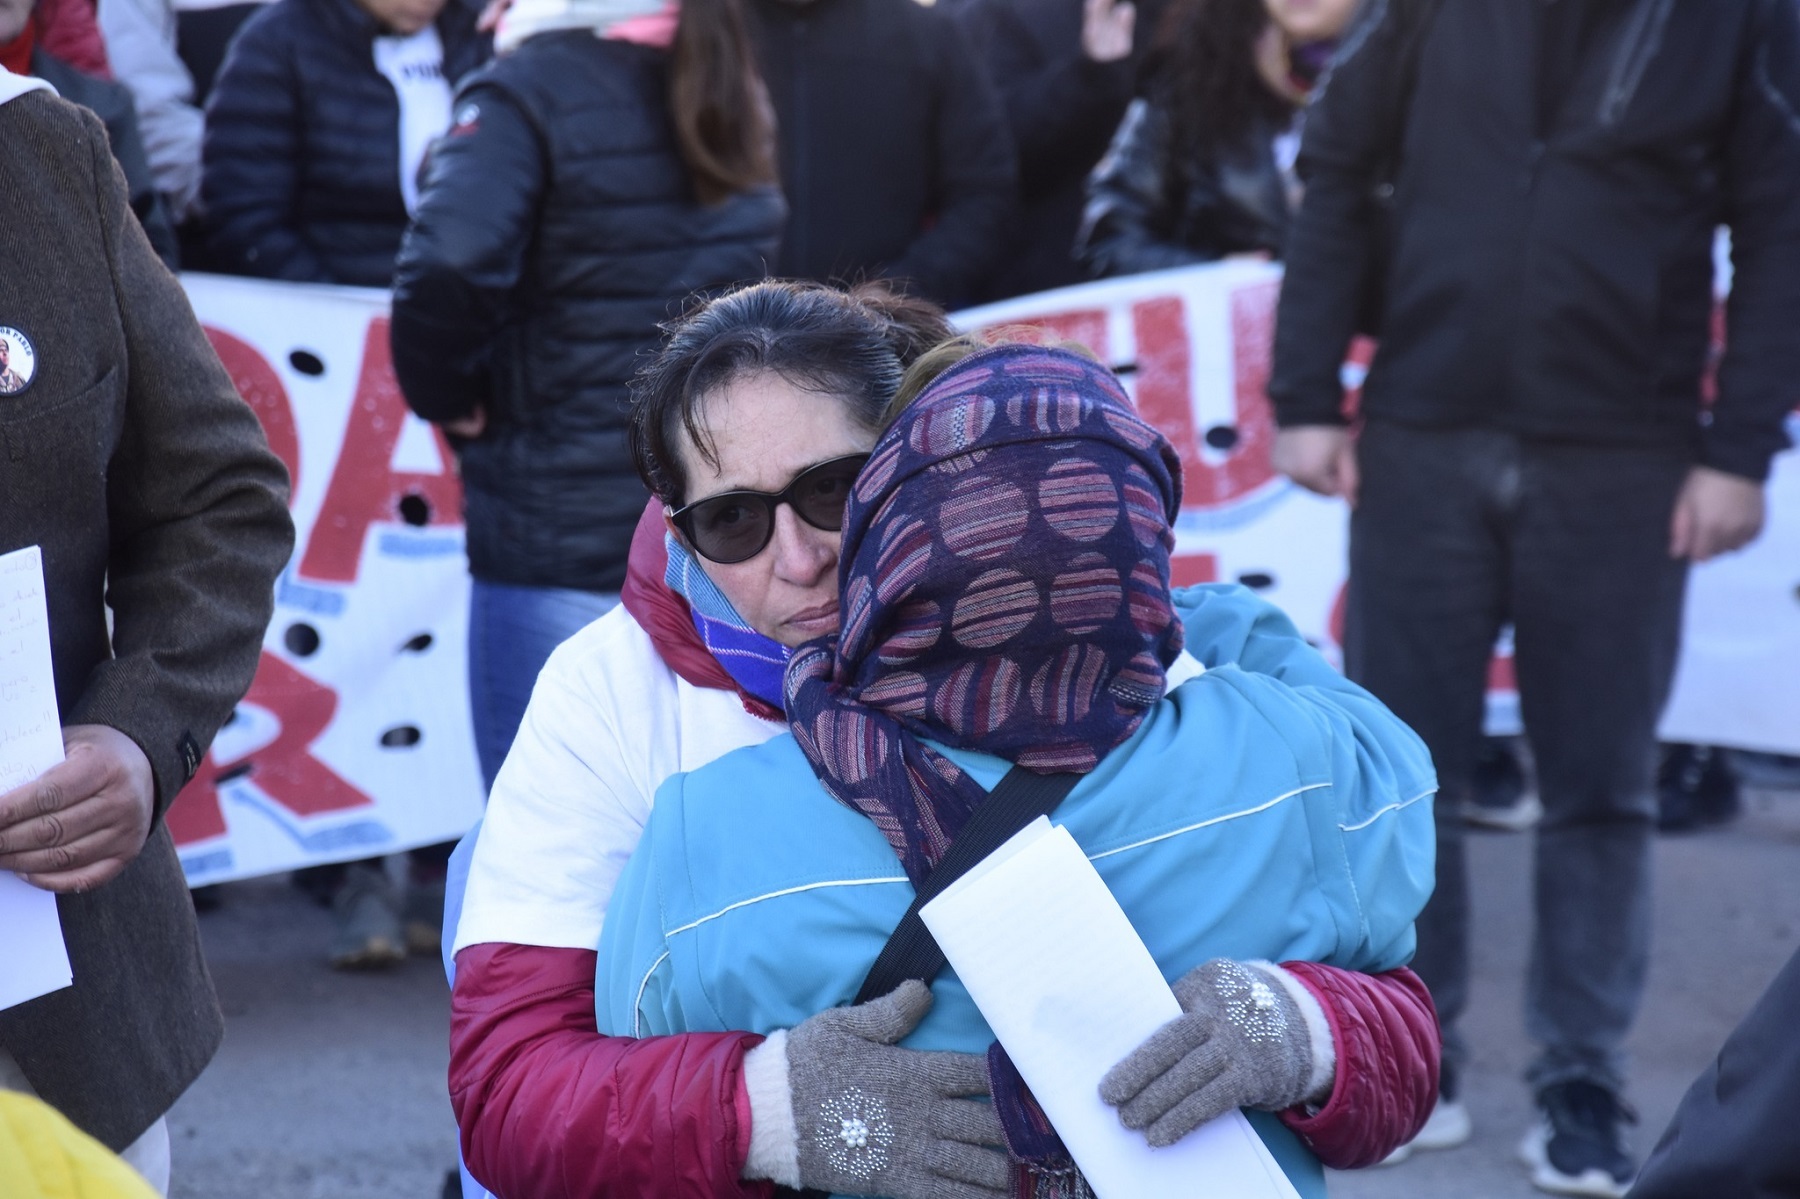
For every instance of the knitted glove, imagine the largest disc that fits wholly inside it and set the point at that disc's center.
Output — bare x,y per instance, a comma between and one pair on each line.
1243,1042
874,1119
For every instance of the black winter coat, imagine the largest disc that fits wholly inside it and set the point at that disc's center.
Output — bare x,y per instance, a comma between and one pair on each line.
1149,208
302,152
1552,266
557,227
1063,109
895,153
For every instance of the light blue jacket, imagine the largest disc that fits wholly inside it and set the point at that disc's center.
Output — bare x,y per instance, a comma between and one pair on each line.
1266,809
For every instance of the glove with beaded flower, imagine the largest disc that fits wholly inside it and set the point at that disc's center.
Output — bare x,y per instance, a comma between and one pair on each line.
1242,1041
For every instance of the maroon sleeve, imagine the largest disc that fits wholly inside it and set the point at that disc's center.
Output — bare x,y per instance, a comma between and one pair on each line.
551,1109
1385,1030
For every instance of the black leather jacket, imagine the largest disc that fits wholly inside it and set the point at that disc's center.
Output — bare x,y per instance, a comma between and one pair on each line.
1147,209
557,227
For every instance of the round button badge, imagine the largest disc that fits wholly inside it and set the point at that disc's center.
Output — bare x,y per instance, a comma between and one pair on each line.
18,361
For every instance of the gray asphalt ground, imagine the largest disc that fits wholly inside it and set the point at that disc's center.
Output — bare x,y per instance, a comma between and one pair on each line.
331,1086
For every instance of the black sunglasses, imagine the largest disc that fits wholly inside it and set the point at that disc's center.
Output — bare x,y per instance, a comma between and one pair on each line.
734,526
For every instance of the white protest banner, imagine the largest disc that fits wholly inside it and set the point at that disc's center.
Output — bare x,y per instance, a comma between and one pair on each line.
1193,348
355,737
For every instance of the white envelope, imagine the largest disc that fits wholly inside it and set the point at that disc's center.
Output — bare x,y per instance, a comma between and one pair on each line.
1069,989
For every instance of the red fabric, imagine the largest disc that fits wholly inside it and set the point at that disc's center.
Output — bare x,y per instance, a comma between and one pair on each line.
665,616
551,1109
1385,1029
68,30
15,55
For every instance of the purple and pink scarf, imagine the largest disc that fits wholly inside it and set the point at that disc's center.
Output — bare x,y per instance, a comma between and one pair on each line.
1005,574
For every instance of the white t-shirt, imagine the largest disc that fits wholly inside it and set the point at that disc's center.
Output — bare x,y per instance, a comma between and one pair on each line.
608,722
415,66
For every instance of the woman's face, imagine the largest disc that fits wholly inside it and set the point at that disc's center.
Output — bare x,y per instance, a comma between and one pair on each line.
764,431
1306,21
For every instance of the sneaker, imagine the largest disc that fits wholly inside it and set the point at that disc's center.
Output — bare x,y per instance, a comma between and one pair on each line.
367,916
1447,1127
1498,795
1695,787
1576,1149
423,916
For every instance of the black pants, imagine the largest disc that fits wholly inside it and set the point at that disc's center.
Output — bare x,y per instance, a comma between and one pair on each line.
1456,533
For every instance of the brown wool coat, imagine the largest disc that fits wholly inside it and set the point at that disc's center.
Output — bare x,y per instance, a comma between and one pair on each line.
131,461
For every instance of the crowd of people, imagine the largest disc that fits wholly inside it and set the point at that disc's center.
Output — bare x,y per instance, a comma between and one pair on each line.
776,580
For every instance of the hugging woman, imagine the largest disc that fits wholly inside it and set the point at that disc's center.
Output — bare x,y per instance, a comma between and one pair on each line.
765,391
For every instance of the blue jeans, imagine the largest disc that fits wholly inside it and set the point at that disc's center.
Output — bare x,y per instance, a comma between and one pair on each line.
1457,532
512,631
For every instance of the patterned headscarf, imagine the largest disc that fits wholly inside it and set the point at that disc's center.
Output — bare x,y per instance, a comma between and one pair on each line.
1005,582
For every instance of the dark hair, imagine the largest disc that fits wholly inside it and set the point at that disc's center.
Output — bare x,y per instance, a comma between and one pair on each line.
724,124
853,344
1202,66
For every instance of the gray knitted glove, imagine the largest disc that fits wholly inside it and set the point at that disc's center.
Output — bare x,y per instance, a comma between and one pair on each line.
874,1119
1243,1042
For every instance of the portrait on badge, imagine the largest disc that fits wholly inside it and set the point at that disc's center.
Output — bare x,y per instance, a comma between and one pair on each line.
18,361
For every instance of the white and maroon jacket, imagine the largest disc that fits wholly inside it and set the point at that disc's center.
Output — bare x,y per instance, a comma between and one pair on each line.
548,1107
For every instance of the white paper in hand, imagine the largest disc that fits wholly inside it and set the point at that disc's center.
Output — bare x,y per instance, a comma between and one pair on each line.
33,958
1069,989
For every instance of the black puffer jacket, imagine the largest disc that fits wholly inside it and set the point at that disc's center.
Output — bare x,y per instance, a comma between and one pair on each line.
1149,208
302,152
895,152
556,228
1552,270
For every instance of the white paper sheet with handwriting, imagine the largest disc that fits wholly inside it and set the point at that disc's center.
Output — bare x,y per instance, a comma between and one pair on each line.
1068,987
33,958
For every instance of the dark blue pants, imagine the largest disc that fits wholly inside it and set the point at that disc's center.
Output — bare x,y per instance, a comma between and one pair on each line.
512,632
1456,533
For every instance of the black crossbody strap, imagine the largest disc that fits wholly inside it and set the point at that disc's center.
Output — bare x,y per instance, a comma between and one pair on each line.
911,952
1018,799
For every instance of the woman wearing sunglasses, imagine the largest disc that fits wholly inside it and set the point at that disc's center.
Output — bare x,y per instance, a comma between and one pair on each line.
750,426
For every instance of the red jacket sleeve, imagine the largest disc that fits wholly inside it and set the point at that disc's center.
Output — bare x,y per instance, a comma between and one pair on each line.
1385,1029
550,1109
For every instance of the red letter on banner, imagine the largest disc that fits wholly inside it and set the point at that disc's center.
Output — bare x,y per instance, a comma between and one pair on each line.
365,488
284,770
1164,373
261,388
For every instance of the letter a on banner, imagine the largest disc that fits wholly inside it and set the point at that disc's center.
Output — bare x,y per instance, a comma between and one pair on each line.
365,487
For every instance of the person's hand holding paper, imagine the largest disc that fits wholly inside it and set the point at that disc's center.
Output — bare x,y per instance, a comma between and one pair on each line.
1070,991
82,821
